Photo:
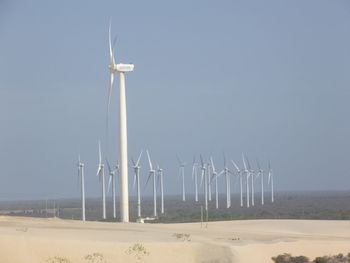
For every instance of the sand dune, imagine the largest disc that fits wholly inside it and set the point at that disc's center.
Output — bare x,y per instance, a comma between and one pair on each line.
26,240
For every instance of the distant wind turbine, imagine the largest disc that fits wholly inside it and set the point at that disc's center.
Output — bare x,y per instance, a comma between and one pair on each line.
247,173
82,187
227,173
112,181
152,173
204,174
270,181
251,173
240,174
215,177
195,178
101,177
261,174
182,175
137,167
161,182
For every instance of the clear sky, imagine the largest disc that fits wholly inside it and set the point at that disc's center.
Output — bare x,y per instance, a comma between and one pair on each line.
267,78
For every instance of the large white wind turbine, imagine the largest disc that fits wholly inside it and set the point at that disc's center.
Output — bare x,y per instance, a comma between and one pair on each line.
182,175
112,181
152,173
261,174
101,177
82,187
161,182
215,176
247,173
195,178
270,181
240,174
204,174
137,167
123,153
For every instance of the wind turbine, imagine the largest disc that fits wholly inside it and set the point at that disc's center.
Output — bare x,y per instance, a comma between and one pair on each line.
261,174
123,151
227,173
182,175
246,171
161,182
101,177
204,175
215,177
195,178
112,181
270,180
209,180
239,172
251,173
82,185
137,167
152,173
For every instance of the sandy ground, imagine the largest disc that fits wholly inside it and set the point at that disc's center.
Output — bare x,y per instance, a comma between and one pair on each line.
29,240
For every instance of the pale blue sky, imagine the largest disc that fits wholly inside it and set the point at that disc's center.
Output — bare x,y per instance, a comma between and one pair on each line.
268,78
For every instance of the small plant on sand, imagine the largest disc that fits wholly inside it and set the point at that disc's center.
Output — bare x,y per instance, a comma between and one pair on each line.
58,259
95,258
22,229
182,236
137,250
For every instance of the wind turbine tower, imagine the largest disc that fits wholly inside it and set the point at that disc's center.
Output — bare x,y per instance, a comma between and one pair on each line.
123,140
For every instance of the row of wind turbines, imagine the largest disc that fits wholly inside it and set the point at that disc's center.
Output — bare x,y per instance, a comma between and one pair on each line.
209,176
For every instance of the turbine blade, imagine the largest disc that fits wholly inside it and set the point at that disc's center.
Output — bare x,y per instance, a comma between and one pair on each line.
235,165
108,166
99,153
178,159
212,164
149,176
133,162
149,161
202,163
109,183
138,159
245,165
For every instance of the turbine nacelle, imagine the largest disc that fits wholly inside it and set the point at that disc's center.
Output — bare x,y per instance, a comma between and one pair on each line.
121,67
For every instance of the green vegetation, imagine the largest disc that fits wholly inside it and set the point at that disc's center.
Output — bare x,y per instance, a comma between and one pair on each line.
288,258
182,236
137,250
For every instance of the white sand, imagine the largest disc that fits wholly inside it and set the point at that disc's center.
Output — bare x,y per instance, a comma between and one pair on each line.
29,240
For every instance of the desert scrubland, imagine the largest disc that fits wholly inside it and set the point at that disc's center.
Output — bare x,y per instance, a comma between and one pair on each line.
37,240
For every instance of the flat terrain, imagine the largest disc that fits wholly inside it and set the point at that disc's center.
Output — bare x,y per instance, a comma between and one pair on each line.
39,240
